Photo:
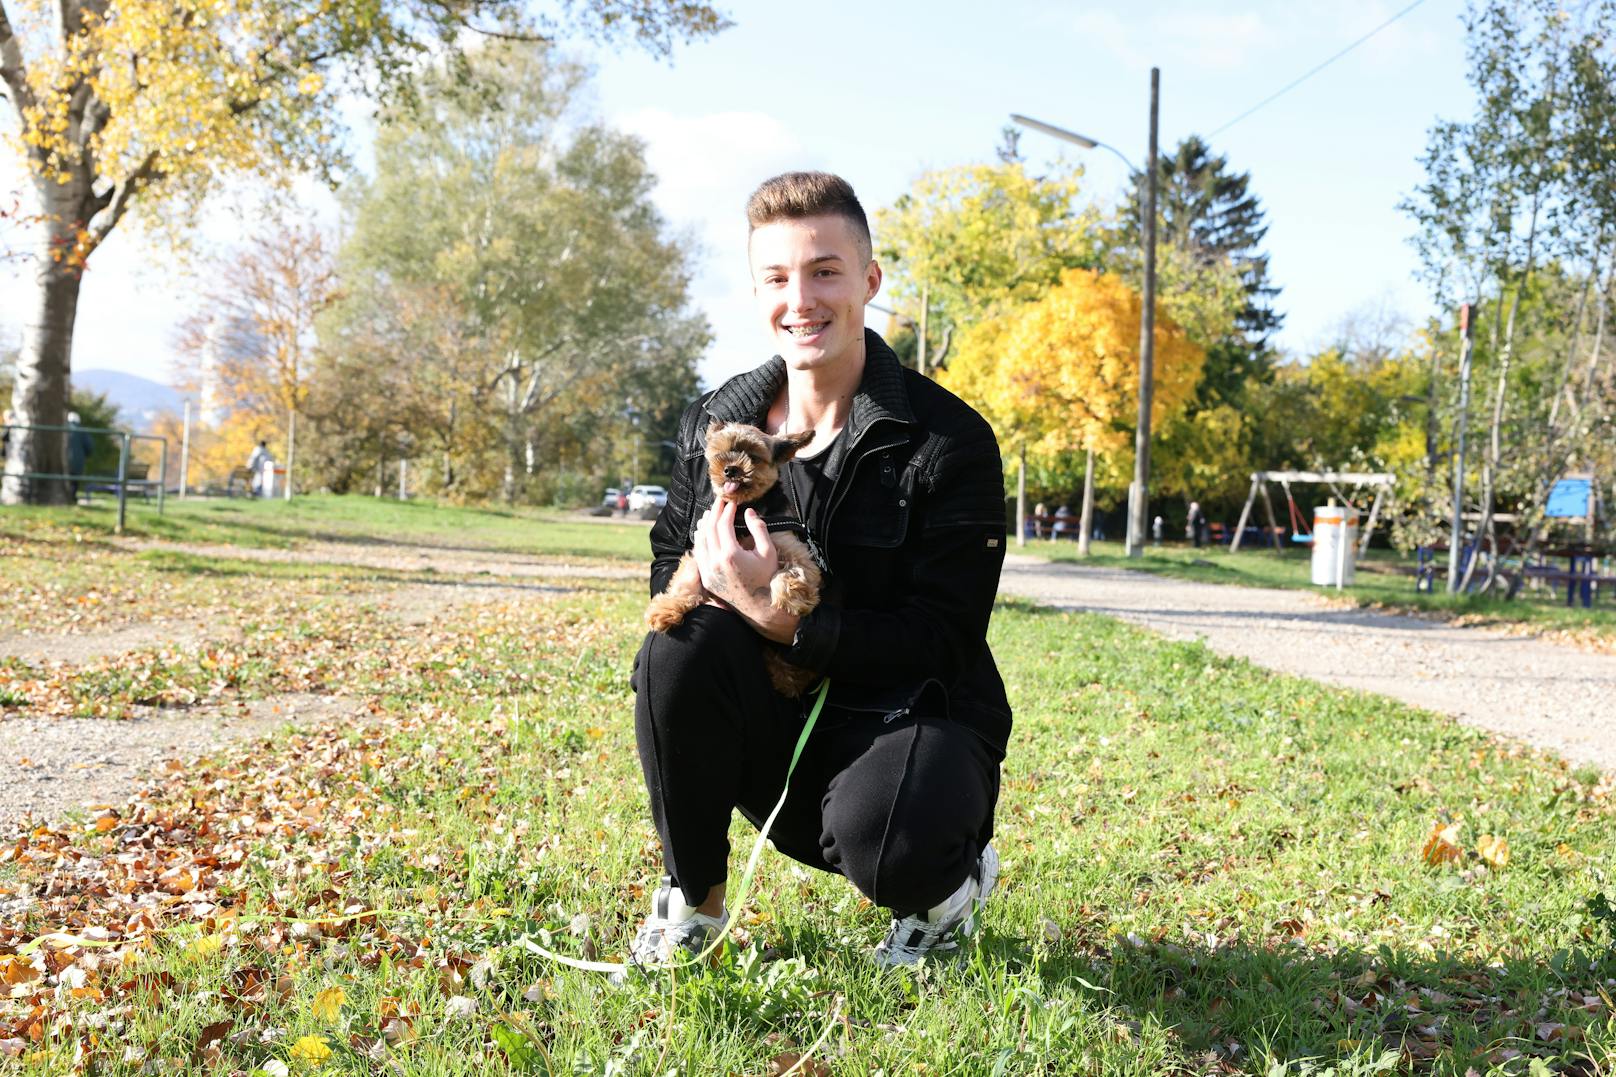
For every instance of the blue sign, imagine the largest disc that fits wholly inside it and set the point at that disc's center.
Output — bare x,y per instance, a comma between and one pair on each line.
1570,498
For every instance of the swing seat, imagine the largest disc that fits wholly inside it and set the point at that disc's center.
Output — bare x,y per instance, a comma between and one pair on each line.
1305,540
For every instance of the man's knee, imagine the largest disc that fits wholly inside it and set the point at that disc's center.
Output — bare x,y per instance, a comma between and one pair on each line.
709,638
906,836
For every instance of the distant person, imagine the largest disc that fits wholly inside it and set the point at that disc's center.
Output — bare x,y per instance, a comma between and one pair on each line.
255,467
1063,521
622,501
1156,531
1195,525
1040,513
80,443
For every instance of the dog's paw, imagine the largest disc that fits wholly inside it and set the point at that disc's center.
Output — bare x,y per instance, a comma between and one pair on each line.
790,592
664,614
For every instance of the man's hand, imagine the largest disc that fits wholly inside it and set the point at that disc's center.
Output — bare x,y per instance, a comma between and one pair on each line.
737,576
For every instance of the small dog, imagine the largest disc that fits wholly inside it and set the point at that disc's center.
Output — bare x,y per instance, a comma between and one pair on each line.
743,464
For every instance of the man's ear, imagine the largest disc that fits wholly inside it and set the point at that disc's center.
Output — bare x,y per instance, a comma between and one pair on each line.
786,445
872,280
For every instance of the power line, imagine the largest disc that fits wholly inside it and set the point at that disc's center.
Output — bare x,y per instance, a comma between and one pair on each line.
1289,86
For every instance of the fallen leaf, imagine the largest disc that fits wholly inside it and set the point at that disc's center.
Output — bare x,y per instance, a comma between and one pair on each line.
328,1004
1493,849
1443,844
311,1049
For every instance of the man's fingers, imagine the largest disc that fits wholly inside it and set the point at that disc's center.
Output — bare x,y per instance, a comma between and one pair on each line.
724,529
762,544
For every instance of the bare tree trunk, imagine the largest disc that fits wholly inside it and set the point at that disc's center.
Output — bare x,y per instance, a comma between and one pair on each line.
1085,521
39,396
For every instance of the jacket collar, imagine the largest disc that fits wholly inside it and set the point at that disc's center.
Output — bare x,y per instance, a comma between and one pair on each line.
881,395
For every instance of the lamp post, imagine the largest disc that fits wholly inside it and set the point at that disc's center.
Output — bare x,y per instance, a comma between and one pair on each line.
1139,490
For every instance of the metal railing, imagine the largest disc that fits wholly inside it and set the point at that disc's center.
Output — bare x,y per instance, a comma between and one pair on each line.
121,482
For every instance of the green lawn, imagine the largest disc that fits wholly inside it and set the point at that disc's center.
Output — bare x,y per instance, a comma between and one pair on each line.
260,523
1384,579
1207,868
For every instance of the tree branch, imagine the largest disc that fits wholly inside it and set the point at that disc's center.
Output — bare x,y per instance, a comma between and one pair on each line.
108,209
13,72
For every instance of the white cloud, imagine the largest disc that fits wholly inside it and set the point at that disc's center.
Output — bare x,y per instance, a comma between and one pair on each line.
706,166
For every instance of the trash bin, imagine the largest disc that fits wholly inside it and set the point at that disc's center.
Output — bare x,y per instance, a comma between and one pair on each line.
1335,545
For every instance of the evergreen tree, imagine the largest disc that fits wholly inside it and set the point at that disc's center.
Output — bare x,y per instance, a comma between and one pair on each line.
1209,211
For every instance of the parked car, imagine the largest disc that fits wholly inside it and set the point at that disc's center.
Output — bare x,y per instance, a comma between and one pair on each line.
646,497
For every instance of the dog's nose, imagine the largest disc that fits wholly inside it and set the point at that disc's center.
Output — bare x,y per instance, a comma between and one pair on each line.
732,472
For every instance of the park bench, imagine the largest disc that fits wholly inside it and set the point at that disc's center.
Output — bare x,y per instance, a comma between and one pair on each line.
242,475
1044,526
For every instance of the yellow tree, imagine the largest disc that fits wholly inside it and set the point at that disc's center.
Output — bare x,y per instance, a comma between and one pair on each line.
964,242
119,102
1061,374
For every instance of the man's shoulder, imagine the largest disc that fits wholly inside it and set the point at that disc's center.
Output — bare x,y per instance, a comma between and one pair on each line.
938,412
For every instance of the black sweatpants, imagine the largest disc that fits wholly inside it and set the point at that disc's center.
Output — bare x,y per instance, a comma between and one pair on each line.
900,805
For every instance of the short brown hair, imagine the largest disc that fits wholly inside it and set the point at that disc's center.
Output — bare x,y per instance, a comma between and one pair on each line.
791,196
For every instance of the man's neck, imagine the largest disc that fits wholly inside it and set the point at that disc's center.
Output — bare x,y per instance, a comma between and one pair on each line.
819,399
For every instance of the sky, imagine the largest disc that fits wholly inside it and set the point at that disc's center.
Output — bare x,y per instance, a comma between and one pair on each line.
882,92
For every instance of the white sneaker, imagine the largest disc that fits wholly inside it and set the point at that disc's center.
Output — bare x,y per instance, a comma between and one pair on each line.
939,929
675,930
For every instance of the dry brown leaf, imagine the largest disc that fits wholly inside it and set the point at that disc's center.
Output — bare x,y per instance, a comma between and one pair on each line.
1442,846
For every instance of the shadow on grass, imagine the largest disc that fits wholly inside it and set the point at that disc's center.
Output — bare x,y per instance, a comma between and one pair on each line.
1229,1001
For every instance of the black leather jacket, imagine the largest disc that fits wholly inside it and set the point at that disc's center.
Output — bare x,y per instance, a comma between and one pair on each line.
914,532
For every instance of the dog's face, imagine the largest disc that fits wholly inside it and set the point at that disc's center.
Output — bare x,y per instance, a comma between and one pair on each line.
743,461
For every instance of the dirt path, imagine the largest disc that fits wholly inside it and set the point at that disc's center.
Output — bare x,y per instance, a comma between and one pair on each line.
1552,696
405,557
52,764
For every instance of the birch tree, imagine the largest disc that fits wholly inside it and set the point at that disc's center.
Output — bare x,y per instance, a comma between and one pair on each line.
114,104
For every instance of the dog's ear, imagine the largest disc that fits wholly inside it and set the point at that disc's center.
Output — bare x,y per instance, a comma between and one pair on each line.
714,427
786,445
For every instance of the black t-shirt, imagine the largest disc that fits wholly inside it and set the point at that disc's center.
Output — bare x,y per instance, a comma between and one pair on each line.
808,482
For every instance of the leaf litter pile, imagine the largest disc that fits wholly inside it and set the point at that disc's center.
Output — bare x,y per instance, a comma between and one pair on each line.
1207,869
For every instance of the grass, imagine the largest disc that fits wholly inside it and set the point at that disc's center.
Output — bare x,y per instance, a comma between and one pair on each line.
353,519
1207,868
1384,580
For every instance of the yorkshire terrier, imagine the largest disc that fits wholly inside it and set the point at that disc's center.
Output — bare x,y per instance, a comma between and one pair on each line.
743,465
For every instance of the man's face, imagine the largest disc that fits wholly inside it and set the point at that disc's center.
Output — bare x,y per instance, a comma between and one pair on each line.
811,282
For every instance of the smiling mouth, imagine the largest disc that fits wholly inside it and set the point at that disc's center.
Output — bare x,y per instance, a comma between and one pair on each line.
807,330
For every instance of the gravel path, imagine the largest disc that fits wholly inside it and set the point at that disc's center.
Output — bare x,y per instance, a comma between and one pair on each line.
1551,696
405,557
52,764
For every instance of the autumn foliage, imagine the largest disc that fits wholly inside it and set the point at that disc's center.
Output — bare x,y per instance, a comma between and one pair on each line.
1061,374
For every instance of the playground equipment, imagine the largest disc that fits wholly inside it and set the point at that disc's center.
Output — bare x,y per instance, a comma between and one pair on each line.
1335,480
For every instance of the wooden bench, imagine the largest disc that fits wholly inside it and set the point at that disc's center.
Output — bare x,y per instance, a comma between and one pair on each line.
1044,526
242,475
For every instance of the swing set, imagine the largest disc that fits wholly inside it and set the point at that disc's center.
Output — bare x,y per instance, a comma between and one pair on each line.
1300,531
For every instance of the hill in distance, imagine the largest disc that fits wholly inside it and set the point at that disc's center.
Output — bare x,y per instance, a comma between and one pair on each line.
139,400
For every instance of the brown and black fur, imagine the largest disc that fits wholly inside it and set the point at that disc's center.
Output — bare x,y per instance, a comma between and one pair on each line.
743,463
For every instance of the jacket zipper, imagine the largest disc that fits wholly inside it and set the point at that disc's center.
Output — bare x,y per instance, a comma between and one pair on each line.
844,481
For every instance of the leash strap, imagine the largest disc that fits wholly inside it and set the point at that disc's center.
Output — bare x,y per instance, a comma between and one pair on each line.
745,888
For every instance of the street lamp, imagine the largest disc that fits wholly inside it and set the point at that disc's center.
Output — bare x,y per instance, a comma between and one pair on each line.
1139,490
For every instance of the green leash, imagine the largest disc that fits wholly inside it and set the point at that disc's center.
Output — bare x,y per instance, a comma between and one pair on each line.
746,876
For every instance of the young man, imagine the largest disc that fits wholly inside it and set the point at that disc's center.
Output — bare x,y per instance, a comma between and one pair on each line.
901,490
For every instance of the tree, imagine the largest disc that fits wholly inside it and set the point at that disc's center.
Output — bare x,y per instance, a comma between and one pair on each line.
1060,375
253,338
1210,213
555,288
1517,214
119,102
964,242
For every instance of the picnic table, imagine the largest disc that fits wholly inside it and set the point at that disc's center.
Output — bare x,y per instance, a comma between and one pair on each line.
1581,575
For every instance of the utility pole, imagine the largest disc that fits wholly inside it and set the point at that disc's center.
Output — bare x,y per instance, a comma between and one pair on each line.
1467,329
185,452
1139,492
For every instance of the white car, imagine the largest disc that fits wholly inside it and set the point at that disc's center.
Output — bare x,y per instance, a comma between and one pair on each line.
644,497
